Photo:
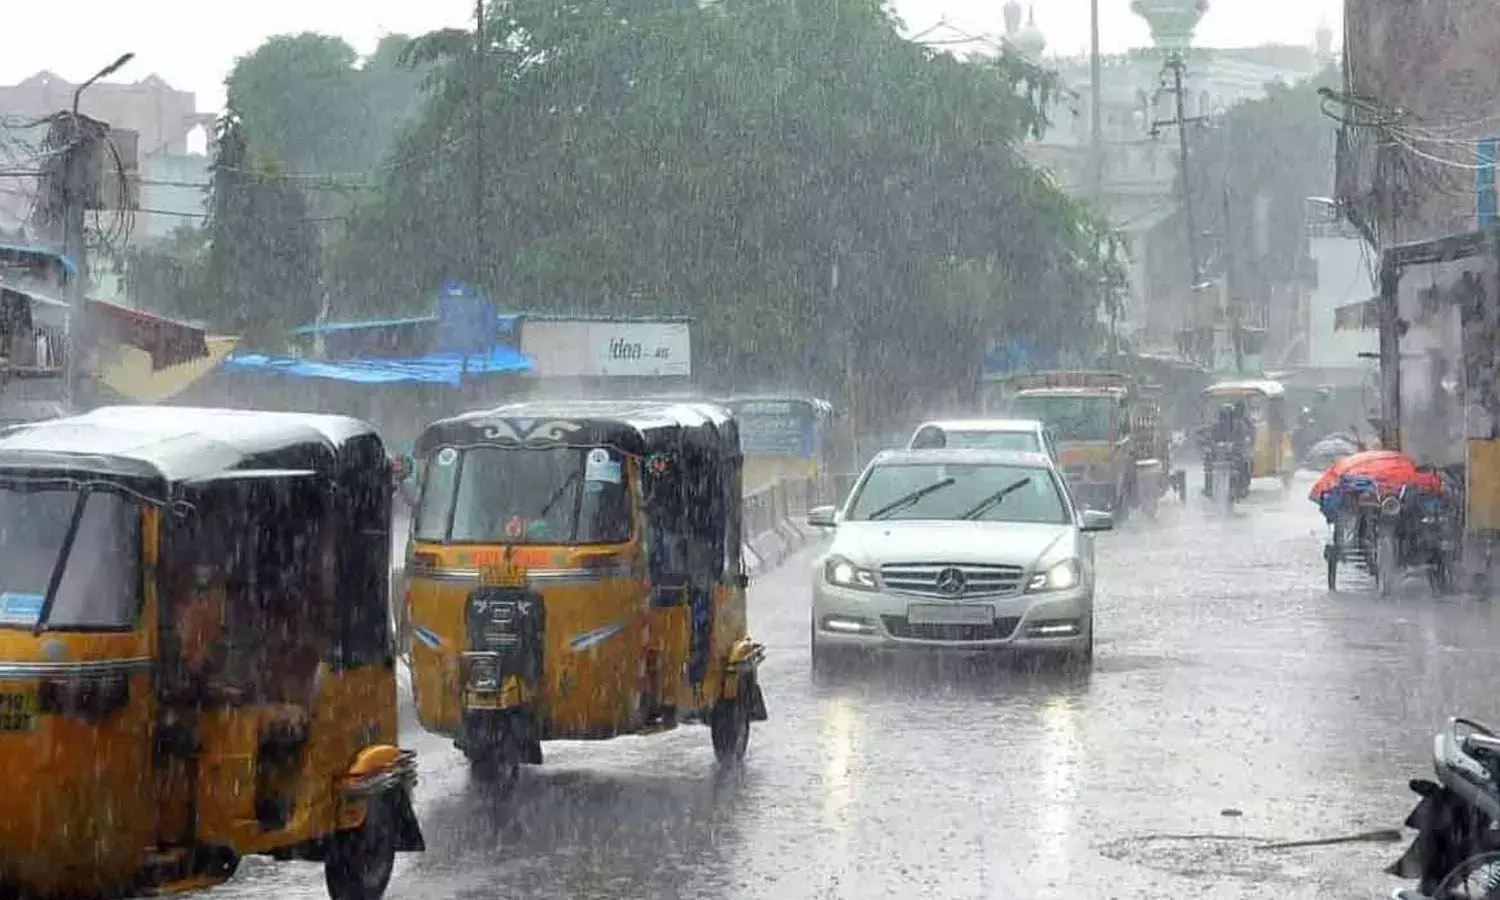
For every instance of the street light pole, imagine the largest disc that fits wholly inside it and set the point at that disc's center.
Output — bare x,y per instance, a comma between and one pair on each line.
74,243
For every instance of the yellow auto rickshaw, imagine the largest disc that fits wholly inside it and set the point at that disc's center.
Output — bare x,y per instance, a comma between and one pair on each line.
196,659
576,574
1265,403
783,436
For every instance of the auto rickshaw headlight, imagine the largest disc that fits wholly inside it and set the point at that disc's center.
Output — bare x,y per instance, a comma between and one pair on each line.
1058,577
842,572
482,673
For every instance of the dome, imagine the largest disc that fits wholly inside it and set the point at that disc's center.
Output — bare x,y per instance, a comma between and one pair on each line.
1030,40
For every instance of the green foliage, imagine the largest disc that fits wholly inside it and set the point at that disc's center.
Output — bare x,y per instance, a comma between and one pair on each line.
652,158
169,276
1280,147
310,101
262,270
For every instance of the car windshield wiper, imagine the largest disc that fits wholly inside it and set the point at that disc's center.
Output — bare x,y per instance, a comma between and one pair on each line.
995,499
909,499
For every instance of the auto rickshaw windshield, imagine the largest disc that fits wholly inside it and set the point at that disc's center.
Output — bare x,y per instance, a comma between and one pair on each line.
495,495
97,573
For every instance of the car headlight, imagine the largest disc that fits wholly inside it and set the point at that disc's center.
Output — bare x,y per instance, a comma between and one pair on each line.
842,572
1059,577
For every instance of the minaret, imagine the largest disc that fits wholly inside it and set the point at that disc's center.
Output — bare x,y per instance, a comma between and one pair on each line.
1324,41
1030,40
1012,19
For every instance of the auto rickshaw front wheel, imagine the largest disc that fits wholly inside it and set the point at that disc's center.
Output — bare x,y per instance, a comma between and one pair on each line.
360,861
498,768
729,725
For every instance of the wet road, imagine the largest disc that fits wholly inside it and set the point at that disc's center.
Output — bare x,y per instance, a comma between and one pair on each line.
1232,699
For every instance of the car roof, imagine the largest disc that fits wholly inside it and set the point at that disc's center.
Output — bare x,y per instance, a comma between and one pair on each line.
969,455
1021,425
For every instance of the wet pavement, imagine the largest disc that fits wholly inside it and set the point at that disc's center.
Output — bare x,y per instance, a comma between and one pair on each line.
1233,701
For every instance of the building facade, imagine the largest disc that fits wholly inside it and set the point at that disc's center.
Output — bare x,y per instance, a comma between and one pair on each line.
1139,151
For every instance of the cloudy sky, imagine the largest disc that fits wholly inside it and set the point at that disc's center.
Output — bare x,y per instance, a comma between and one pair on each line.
192,44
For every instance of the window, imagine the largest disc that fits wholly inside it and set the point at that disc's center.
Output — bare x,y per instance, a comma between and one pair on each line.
1024,441
1070,417
490,495
1017,494
775,428
100,583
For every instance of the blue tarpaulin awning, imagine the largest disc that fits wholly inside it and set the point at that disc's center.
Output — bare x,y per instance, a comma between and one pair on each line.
442,368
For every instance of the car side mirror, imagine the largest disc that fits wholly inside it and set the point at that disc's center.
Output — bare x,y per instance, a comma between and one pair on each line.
822,517
1095,520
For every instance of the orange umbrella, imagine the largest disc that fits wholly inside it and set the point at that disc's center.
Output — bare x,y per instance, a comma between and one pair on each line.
1391,470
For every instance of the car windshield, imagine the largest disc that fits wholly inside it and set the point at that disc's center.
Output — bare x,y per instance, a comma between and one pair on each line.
493,495
1025,441
885,490
1070,417
100,583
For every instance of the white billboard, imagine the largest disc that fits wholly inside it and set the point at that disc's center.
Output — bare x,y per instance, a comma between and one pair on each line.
576,348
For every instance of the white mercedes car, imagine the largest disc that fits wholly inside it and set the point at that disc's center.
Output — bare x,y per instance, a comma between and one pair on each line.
969,550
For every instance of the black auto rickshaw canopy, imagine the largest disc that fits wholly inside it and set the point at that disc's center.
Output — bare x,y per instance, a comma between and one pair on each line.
178,457
688,453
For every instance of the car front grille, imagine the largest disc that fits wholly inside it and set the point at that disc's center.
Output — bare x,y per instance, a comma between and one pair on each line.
978,580
1001,629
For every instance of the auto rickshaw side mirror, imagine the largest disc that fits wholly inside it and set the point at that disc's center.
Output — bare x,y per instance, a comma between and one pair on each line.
822,517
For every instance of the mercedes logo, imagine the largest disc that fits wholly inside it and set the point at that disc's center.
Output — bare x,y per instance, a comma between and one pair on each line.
950,582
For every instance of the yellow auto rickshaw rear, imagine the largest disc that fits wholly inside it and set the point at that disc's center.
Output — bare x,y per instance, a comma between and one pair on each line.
576,574
195,657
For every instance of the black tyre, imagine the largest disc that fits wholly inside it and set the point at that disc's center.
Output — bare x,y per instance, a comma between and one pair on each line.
497,768
730,726
1387,572
1476,878
1084,658
359,862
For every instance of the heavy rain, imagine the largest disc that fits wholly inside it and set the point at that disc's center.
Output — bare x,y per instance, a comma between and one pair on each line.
826,449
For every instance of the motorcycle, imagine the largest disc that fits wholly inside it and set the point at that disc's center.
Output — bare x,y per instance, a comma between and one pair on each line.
1456,852
1226,470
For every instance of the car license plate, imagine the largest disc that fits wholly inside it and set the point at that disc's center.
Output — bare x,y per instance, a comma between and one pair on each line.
17,711
950,614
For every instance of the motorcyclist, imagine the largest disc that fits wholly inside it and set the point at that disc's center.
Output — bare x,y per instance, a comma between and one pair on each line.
1231,426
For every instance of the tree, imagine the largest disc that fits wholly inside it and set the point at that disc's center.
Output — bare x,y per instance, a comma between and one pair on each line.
818,192
169,276
263,267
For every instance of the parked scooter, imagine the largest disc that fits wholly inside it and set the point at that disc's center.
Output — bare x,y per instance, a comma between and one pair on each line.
1456,853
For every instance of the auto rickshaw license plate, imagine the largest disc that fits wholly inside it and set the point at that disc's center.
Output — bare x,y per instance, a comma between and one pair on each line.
18,711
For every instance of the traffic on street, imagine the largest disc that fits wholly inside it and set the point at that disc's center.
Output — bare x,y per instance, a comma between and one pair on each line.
1234,704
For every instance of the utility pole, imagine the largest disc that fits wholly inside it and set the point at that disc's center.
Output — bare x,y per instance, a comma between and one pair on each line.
77,192
1236,335
1096,92
477,263
1177,64
1096,162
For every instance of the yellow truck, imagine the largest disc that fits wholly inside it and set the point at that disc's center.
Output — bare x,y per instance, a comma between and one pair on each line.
1112,442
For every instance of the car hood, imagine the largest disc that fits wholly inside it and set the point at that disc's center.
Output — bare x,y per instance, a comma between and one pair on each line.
995,543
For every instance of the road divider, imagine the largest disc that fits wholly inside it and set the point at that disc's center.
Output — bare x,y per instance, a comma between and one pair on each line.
775,521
